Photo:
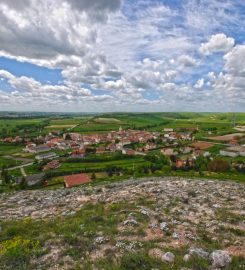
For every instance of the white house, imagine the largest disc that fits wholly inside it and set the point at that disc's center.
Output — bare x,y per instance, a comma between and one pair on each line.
168,129
227,153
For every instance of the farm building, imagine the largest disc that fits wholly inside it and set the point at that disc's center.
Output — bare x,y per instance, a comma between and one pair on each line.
167,151
227,153
129,152
168,130
49,155
34,179
76,180
32,148
54,164
240,150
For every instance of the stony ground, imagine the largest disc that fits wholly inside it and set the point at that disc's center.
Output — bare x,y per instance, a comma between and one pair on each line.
154,223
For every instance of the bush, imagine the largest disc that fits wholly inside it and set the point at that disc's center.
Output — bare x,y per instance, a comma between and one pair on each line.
219,165
18,251
166,169
137,261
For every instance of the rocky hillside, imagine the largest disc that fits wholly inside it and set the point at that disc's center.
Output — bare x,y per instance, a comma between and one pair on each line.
153,223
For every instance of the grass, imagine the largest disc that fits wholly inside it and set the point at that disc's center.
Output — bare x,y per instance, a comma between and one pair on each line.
21,127
7,162
8,149
127,163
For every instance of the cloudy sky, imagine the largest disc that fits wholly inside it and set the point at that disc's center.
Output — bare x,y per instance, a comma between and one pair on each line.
122,55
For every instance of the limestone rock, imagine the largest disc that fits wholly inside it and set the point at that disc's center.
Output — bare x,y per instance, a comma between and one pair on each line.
168,257
220,258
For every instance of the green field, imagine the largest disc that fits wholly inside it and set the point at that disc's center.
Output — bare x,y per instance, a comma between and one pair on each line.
64,124
7,162
102,165
107,122
7,150
71,167
21,127
157,121
126,120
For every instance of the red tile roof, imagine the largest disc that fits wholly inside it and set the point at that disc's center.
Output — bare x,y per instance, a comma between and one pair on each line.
76,179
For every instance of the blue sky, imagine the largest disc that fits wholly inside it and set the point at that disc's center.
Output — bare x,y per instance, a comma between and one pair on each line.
122,55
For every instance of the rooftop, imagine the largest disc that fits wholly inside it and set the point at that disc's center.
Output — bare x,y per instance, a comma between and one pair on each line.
76,179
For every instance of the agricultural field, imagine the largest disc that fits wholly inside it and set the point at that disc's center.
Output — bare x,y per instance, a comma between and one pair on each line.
227,137
83,165
110,122
5,152
219,123
20,127
66,167
7,162
64,124
8,149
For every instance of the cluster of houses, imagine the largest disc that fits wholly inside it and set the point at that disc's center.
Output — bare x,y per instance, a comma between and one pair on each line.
120,140
110,142
16,139
181,147
181,144
173,136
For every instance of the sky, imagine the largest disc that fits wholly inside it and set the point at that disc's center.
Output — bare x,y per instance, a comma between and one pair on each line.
122,55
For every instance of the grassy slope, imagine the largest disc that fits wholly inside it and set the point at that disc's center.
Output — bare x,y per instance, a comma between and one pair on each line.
74,236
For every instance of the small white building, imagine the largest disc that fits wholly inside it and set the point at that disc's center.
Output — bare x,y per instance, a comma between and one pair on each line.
50,155
240,150
227,153
168,129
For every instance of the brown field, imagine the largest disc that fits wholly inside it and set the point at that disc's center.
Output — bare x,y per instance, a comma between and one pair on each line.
107,120
60,126
202,145
227,137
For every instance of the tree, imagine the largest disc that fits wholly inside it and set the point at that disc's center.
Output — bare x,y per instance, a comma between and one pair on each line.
90,150
201,163
159,159
93,176
5,175
219,165
187,165
23,183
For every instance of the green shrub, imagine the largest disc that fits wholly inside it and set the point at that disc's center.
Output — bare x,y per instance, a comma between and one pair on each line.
136,261
18,251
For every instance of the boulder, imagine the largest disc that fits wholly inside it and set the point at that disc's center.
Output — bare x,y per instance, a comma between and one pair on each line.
175,235
199,252
186,258
130,222
164,226
220,258
168,257
100,240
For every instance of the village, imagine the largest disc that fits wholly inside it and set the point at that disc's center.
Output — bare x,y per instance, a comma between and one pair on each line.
181,151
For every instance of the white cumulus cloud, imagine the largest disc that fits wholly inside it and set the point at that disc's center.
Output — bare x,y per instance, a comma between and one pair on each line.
217,43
